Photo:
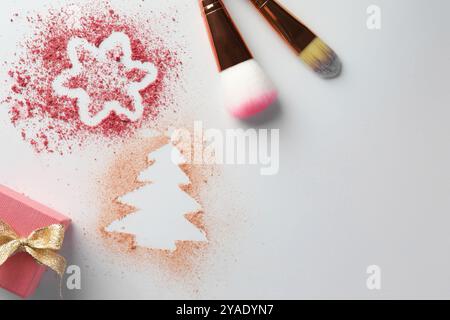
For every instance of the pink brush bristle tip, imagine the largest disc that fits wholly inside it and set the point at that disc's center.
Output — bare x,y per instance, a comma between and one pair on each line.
254,106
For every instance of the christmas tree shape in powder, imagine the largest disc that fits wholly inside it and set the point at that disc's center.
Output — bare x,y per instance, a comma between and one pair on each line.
161,205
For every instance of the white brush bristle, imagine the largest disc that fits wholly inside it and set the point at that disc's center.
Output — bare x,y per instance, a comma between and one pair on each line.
247,89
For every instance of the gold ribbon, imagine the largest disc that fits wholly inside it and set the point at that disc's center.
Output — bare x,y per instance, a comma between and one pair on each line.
41,244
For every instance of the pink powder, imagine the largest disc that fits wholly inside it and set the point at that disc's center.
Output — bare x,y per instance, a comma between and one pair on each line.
254,106
50,122
105,81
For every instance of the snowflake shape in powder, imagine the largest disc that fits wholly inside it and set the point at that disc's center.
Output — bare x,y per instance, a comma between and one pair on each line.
105,79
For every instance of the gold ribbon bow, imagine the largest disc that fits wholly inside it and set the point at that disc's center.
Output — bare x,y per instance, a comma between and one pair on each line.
41,244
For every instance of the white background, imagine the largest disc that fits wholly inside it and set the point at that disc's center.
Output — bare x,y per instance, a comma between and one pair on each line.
364,176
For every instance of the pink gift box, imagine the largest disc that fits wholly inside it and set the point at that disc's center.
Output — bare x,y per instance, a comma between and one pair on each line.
21,274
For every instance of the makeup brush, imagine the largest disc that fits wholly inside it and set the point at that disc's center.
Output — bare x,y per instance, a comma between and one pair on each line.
311,49
247,89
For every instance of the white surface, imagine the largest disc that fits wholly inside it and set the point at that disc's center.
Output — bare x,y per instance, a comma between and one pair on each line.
364,175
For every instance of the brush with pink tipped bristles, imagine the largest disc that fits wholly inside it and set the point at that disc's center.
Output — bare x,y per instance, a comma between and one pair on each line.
247,89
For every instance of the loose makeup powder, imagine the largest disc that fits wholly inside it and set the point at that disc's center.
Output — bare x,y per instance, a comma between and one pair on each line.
51,123
121,178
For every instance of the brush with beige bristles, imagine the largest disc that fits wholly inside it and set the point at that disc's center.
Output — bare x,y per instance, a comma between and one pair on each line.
310,48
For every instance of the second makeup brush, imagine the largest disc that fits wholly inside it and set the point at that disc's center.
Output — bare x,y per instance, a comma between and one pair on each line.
310,48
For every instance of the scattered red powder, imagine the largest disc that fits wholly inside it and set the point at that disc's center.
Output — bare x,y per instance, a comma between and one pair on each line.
50,122
106,80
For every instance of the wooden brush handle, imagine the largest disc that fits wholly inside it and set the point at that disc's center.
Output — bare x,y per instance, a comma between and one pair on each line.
288,26
228,44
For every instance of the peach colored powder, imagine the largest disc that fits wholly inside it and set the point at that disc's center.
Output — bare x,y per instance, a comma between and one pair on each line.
121,178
